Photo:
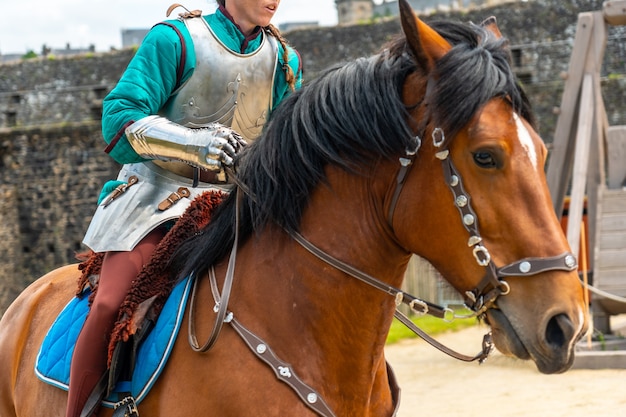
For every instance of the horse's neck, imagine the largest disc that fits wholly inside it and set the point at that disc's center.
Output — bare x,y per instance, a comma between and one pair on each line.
316,313
330,327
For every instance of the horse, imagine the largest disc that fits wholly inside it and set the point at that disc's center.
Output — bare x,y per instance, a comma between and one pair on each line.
426,148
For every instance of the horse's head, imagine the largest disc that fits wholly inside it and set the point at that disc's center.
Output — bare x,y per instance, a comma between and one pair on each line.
491,229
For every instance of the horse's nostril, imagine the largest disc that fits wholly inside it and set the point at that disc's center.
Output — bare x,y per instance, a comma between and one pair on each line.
559,330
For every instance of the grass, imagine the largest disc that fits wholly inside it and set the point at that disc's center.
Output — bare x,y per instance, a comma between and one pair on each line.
429,324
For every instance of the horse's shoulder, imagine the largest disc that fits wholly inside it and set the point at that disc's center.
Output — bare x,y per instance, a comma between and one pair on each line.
43,299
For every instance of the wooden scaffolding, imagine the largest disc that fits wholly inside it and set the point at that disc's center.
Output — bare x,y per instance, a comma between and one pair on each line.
588,158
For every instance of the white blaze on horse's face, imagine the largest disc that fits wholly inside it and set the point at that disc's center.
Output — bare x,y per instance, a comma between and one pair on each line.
526,140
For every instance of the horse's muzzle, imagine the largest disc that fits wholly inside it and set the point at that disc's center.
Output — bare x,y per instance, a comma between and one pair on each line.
550,346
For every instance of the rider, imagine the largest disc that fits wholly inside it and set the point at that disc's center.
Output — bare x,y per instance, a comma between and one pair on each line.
196,86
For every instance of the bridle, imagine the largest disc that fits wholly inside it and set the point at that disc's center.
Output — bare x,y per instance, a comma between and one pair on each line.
493,285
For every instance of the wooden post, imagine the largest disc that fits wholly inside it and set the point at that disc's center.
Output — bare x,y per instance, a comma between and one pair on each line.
561,156
581,162
583,265
616,155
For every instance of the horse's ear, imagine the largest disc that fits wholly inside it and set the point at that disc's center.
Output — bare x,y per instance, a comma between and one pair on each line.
426,44
491,25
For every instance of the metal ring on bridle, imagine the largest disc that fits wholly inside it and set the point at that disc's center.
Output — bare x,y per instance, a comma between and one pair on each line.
484,261
504,287
438,137
448,315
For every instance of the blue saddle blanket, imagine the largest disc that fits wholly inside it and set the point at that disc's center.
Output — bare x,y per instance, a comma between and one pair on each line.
53,361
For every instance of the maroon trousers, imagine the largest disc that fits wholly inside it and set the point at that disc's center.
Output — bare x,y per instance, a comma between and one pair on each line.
89,361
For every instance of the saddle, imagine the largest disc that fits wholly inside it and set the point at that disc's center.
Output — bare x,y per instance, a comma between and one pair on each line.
135,365
138,315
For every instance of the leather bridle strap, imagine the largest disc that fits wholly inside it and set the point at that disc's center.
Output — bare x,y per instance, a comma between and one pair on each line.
480,356
417,305
221,303
400,297
405,165
531,266
492,285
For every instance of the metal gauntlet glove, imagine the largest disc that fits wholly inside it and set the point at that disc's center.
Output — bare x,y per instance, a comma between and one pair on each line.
212,147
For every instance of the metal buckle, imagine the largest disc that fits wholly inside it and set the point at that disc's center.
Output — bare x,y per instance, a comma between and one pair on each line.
504,287
438,137
128,406
422,305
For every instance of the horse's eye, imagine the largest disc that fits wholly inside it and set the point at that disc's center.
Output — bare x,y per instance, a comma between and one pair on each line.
485,159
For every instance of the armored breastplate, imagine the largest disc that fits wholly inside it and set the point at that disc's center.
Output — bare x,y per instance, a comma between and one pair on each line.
226,87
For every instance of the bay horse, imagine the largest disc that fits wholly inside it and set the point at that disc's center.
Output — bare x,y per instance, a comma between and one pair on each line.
427,148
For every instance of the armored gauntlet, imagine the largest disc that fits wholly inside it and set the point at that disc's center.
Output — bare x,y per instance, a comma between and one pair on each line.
212,147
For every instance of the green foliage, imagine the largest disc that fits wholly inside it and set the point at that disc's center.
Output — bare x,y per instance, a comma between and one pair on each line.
429,324
29,55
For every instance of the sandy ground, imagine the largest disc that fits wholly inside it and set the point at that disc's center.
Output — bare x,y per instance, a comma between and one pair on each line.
434,384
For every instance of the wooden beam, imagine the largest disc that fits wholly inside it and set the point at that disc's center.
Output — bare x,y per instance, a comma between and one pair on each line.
581,163
596,175
561,156
616,151
615,12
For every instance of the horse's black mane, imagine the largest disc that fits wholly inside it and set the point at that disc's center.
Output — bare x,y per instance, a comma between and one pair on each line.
476,70
349,115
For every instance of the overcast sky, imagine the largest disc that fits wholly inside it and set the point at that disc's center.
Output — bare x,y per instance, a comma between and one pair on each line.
28,24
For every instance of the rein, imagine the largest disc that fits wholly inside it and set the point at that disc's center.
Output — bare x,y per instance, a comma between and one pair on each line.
418,306
221,303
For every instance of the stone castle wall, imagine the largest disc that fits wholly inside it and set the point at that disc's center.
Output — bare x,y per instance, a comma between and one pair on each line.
51,160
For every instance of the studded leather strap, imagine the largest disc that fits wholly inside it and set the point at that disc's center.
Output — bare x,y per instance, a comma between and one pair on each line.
283,370
531,266
285,373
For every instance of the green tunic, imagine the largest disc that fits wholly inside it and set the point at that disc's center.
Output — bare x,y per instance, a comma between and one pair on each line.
152,77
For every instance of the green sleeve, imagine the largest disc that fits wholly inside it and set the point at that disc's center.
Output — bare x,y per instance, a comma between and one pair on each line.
145,86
